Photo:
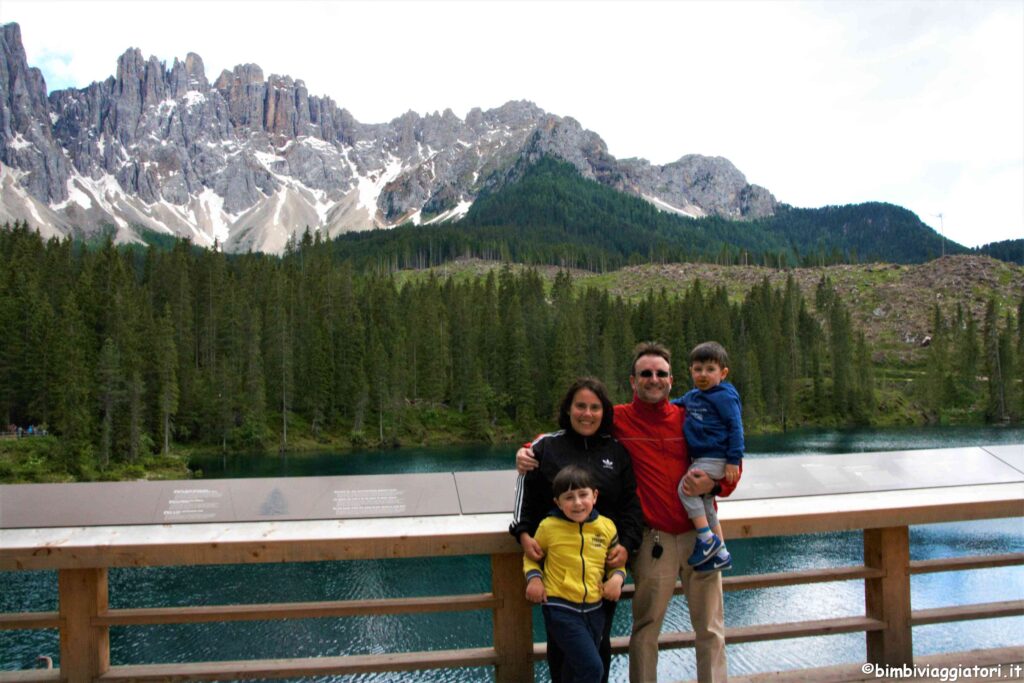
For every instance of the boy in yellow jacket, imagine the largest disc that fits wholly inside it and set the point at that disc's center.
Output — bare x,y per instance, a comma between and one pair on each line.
568,580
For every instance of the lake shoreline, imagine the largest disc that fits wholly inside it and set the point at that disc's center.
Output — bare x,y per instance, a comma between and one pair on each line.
39,460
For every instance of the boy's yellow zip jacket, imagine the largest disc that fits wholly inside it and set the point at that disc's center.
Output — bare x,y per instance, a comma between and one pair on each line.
574,554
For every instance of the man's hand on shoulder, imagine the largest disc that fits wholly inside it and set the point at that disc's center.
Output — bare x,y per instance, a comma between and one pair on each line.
525,460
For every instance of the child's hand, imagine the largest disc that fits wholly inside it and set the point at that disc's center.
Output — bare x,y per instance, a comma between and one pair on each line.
535,592
531,548
612,588
732,473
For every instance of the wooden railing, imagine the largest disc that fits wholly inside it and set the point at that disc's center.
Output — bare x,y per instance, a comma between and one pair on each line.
83,555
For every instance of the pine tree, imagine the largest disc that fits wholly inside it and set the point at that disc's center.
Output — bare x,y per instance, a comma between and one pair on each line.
566,358
1019,377
430,341
520,383
136,396
491,343
109,382
166,356
349,349
479,400
748,383
280,357
376,372
1008,364
254,394
864,400
996,406
789,349
73,374
464,345
968,357
841,347
42,389
935,395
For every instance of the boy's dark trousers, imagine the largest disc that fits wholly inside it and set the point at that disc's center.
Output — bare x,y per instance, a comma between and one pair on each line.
574,643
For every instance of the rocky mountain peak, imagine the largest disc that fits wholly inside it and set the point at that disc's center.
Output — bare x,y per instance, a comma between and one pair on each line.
252,160
26,138
188,75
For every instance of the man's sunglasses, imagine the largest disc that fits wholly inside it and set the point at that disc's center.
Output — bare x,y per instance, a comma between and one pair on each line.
647,374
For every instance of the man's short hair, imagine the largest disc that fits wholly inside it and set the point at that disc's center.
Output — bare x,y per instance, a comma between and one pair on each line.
710,351
649,348
570,478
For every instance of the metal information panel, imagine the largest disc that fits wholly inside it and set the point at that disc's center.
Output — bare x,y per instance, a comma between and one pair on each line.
228,500
425,495
815,475
486,492
1011,454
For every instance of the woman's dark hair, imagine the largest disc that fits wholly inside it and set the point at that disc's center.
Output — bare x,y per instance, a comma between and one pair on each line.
570,478
596,386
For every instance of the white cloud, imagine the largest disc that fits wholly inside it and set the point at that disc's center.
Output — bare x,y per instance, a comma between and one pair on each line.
916,103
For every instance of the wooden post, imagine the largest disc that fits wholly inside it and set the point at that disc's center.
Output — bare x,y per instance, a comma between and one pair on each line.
888,598
513,620
84,648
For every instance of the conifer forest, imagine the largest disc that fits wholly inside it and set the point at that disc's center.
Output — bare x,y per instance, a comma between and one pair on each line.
126,353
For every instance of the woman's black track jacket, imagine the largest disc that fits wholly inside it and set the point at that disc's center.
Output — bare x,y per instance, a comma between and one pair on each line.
611,469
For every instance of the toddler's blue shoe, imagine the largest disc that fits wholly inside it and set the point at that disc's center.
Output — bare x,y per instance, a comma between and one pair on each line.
720,562
704,551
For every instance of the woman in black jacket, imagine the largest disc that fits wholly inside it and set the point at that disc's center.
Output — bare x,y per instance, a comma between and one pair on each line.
585,416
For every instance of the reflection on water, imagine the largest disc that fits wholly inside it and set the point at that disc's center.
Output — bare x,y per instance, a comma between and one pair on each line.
810,441
170,586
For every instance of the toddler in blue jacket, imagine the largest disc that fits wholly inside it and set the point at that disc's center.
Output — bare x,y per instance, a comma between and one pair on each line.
714,440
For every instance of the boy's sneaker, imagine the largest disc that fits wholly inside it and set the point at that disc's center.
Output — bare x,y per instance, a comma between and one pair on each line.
720,562
703,551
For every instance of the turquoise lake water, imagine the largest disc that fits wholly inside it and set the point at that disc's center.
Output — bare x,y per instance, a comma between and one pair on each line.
446,576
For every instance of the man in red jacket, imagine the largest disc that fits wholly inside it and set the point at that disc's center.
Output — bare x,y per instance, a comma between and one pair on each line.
651,429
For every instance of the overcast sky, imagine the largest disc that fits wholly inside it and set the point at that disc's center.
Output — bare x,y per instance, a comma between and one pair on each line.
916,103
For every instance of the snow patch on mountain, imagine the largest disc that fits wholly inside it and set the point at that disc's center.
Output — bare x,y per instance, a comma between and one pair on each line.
452,214
18,142
194,97
76,196
371,185
213,206
689,211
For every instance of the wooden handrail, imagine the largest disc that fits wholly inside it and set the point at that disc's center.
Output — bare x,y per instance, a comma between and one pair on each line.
29,620
948,564
294,610
310,666
984,610
794,578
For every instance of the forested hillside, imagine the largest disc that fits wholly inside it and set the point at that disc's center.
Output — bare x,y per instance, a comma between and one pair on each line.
124,352
1006,250
554,216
